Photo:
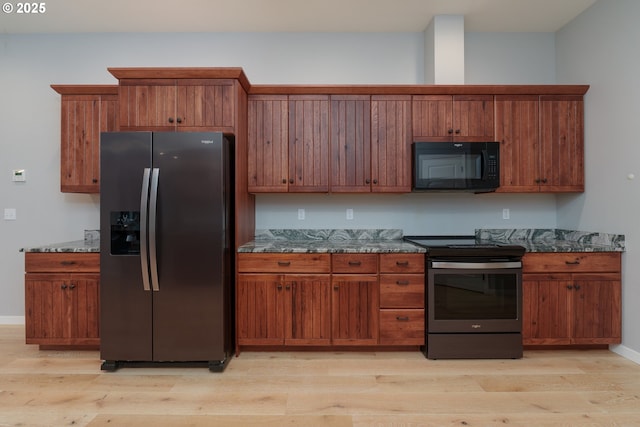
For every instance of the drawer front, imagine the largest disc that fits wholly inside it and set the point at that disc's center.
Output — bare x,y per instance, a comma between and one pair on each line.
283,263
354,263
402,290
569,262
402,263
66,262
402,327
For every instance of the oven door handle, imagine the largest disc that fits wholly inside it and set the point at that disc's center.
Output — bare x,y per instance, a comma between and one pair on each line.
476,265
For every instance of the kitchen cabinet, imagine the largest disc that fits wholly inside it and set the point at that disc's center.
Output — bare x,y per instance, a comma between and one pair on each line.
354,299
62,299
402,299
541,143
391,140
268,139
308,143
572,298
283,299
85,112
177,105
453,118
350,137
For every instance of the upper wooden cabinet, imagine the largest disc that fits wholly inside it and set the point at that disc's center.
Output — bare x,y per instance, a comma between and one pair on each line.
85,112
541,143
453,117
308,143
268,143
177,104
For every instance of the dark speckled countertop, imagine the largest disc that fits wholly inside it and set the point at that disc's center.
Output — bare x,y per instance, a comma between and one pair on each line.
390,241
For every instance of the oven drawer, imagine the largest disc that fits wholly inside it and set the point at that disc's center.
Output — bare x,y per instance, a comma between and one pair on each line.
402,263
354,263
402,327
568,262
402,290
283,263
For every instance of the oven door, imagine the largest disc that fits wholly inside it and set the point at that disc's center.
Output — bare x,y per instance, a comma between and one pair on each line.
474,296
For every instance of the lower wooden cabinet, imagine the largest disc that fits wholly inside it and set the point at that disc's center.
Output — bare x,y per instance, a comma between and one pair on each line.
62,299
330,300
572,298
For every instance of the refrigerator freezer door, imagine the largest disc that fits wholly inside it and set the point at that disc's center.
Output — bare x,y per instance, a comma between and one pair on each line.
125,306
192,254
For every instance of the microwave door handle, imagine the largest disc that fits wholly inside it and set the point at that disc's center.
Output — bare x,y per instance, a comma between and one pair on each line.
485,164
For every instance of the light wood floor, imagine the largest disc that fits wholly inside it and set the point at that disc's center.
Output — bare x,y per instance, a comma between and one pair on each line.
545,388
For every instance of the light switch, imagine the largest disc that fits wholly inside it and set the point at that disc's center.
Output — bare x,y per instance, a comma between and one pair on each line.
9,214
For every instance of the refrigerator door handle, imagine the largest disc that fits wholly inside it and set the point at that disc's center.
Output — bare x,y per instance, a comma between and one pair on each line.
153,204
144,203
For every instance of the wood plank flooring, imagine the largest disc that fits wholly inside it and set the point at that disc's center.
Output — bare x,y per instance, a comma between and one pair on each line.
383,389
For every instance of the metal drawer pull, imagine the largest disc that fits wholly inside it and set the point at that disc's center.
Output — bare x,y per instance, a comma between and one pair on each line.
355,263
284,263
402,263
67,262
402,318
576,262
402,282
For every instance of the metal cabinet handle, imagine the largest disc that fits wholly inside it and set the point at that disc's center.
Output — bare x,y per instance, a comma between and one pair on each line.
64,286
170,119
336,287
403,318
179,120
72,286
68,262
279,287
576,287
402,282
355,263
575,262
284,263
402,263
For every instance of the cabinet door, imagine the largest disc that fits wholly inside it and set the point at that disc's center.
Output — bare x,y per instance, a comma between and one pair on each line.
147,104
308,143
545,316
432,117
308,320
473,118
268,151
350,143
83,118
260,304
562,143
517,131
595,304
204,105
355,309
61,309
391,144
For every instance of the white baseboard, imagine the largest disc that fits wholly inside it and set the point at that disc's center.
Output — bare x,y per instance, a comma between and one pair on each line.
11,320
626,352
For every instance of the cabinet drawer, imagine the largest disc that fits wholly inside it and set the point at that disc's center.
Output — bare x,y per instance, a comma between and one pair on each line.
283,263
402,263
402,327
68,262
571,262
354,263
402,290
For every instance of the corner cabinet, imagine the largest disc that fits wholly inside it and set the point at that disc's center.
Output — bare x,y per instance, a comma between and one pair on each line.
572,298
330,300
541,143
85,112
62,299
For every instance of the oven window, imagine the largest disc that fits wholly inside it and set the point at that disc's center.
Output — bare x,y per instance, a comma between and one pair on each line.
475,296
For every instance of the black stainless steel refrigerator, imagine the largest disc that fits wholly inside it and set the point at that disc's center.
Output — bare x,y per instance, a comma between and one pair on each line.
166,249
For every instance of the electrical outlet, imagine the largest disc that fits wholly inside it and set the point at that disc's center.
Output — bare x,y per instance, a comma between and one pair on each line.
349,213
300,214
506,214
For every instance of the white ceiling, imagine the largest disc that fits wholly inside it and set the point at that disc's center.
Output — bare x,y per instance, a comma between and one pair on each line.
78,16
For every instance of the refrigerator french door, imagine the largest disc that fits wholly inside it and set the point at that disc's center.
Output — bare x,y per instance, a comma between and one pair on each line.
165,255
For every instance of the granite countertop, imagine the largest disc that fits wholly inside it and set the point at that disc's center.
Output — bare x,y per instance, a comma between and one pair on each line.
390,241
74,246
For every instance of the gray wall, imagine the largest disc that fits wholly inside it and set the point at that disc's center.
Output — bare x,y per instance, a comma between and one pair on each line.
599,48
30,111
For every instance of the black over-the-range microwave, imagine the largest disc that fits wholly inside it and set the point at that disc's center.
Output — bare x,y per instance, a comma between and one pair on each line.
456,166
